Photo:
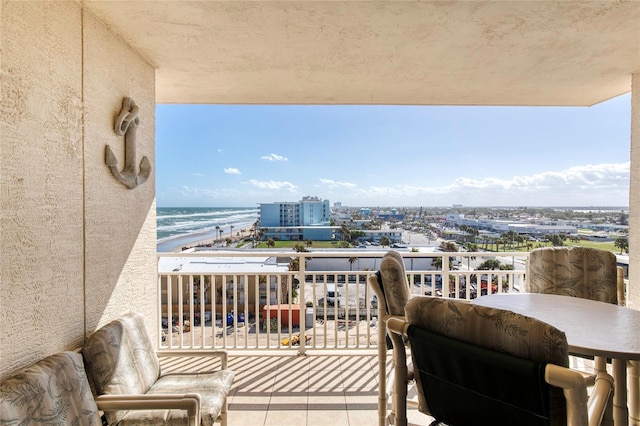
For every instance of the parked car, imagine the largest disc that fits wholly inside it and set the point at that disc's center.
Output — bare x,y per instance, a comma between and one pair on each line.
332,296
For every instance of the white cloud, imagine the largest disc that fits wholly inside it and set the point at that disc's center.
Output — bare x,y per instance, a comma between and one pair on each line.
274,157
335,184
596,185
589,177
274,185
197,174
587,185
232,171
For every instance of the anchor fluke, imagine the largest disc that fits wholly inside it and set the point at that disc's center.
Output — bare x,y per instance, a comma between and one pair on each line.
145,171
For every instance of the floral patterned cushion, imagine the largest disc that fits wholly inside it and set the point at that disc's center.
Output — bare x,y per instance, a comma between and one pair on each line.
394,282
494,329
120,359
573,271
54,391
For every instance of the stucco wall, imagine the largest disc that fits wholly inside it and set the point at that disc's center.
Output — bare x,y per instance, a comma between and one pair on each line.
120,222
70,234
41,181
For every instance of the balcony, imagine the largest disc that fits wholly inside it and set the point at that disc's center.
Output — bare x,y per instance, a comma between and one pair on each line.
304,342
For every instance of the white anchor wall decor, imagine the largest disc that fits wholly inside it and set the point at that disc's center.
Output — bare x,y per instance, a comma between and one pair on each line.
126,124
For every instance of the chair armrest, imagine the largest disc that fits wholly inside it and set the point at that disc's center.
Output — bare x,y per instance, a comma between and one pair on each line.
581,410
574,387
397,324
196,353
188,401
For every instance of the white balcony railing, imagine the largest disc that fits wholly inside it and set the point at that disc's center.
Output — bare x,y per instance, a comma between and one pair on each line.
250,300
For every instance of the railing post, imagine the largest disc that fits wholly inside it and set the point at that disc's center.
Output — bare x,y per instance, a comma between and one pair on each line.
302,262
445,276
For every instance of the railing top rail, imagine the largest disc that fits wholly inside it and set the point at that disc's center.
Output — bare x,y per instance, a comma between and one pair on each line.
334,253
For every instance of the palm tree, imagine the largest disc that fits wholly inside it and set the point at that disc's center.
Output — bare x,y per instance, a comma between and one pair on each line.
346,235
485,239
506,239
351,262
218,235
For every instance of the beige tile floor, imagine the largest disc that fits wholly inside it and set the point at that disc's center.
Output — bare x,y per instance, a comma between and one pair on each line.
288,390
312,390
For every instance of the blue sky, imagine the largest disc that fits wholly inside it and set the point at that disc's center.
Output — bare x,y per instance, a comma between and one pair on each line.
393,156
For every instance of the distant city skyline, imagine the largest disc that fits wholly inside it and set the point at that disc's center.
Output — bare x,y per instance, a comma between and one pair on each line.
394,156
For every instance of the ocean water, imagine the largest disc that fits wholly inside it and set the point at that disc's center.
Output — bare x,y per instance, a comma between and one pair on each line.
182,226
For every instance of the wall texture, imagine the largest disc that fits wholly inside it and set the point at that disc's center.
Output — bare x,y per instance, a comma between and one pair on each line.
41,181
77,247
120,228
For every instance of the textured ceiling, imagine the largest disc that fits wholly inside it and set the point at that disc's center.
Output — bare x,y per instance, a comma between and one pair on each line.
384,52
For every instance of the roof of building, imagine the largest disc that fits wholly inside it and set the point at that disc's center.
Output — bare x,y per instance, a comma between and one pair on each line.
235,265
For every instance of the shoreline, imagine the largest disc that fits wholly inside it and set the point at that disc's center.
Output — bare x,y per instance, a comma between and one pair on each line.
213,242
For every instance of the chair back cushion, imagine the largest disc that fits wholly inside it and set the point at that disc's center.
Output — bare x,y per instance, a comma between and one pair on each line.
394,282
121,359
55,390
573,271
490,357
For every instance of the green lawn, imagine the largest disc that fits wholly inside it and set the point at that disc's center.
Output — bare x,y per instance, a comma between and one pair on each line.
292,244
607,245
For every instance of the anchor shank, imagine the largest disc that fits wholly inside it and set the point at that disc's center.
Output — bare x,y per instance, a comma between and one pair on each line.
130,161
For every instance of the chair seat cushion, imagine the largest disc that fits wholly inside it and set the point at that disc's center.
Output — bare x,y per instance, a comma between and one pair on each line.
212,387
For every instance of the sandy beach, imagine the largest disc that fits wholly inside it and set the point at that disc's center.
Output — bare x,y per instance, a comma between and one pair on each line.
212,242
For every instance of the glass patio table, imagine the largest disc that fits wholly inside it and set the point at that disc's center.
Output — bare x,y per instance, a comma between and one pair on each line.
593,329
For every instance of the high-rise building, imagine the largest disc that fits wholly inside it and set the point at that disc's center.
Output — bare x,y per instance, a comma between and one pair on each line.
297,221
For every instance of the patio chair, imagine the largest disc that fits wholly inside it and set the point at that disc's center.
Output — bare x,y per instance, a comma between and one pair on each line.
478,365
392,291
123,365
583,272
576,271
